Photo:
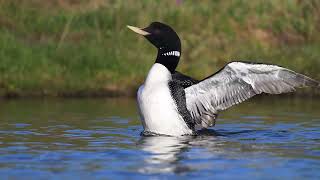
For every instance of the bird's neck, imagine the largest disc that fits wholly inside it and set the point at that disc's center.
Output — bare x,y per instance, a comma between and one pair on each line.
169,57
157,74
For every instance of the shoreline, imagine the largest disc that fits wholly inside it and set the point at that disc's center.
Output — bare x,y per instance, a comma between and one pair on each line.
122,93
53,50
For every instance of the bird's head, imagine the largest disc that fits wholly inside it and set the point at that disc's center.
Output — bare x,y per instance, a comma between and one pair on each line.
166,40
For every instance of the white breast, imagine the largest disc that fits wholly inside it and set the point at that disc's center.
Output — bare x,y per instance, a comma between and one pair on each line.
159,113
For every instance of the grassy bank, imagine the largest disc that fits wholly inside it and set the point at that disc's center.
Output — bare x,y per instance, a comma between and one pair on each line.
76,48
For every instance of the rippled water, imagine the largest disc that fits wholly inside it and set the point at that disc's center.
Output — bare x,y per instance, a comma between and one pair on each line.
99,139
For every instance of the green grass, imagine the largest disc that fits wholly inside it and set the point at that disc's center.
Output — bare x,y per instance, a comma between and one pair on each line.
76,48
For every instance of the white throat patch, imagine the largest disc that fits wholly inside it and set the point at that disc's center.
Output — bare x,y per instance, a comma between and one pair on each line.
172,53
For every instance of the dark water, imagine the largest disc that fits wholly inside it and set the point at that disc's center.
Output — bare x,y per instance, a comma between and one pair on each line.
265,138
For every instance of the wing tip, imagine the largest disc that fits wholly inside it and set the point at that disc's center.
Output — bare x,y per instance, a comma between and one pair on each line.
306,81
312,83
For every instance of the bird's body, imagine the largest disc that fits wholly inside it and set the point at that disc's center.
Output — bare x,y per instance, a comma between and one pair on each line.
171,103
158,109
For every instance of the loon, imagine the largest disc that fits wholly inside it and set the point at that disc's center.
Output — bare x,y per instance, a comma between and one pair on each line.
173,104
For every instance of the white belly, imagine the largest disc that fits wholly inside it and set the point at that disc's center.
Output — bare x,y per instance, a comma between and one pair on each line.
159,113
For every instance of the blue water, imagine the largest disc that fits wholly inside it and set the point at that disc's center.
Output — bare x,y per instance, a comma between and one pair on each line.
265,138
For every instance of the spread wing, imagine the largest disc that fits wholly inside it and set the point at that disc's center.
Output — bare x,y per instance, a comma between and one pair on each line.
237,82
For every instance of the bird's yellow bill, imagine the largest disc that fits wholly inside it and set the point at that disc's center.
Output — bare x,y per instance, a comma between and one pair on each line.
138,30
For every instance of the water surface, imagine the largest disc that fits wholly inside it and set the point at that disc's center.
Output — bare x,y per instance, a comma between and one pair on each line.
265,138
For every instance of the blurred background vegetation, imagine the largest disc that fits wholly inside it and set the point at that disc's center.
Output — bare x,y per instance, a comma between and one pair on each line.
83,48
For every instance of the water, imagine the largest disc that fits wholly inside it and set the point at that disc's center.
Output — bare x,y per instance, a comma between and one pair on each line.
265,138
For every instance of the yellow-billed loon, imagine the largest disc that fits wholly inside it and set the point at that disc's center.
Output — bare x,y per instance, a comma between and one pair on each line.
174,104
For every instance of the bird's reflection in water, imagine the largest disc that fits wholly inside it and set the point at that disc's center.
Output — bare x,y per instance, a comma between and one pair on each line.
166,153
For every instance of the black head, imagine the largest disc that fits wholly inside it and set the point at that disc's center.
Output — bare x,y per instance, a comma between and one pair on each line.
166,40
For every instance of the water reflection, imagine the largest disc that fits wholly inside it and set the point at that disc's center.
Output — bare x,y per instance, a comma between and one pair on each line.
170,154
164,153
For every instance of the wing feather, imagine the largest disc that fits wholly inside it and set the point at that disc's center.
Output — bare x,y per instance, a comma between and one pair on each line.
237,82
